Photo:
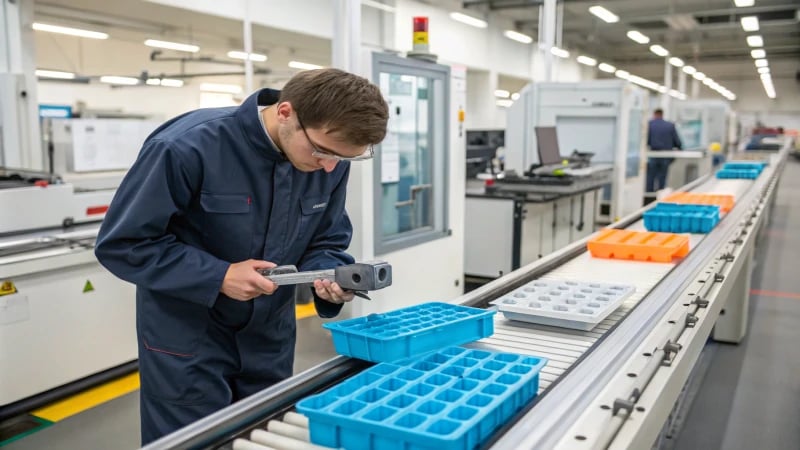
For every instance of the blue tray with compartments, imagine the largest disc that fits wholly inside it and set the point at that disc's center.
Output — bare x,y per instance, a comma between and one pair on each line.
741,169
410,331
682,218
454,398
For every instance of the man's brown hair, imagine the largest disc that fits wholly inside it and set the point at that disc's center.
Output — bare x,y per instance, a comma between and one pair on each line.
341,102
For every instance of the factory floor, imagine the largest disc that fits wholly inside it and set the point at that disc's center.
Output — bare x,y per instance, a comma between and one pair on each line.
745,397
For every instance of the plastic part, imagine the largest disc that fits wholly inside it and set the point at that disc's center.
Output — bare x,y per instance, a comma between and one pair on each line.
451,399
411,331
568,304
681,218
724,201
638,245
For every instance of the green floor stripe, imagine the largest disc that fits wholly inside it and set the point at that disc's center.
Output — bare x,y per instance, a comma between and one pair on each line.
40,425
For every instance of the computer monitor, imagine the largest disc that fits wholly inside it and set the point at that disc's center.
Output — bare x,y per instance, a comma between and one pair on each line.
547,144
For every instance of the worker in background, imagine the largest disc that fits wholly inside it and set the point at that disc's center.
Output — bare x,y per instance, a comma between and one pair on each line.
215,195
661,135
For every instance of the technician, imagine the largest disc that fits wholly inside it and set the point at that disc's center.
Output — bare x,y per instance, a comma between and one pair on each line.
661,135
215,195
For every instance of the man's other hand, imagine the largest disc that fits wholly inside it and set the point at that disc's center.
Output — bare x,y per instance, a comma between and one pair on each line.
332,292
243,282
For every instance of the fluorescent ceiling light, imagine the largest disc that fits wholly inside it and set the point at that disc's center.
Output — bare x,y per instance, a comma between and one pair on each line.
755,41
519,37
763,70
172,46
662,89
674,93
515,96
644,82
749,23
502,93
744,3
659,50
110,79
303,65
587,60
607,68
762,63
689,70
624,74
604,14
765,77
223,88
505,103
638,37
699,76
376,5
560,52
758,53
469,20
168,82
236,54
55,74
708,81
677,62
70,31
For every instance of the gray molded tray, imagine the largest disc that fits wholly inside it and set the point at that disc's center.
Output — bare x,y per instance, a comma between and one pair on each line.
563,303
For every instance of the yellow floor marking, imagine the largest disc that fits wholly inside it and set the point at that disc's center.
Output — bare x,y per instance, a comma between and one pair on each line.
89,398
305,310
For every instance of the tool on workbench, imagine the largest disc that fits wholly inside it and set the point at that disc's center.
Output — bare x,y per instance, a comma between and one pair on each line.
358,277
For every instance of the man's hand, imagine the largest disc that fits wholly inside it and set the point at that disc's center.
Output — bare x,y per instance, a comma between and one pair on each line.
332,292
243,282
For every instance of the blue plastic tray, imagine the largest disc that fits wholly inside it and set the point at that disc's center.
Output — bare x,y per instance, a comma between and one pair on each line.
738,174
410,331
451,399
682,218
745,165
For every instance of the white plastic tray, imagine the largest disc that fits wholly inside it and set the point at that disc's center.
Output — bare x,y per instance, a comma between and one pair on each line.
563,303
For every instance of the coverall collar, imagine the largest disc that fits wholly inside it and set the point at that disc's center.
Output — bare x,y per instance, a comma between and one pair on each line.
247,114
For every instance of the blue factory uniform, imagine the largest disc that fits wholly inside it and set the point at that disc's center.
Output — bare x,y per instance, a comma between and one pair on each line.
209,189
661,135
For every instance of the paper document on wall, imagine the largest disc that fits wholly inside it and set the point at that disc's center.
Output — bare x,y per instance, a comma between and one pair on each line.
390,158
108,144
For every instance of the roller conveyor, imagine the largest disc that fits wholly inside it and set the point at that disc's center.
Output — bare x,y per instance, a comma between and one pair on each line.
584,393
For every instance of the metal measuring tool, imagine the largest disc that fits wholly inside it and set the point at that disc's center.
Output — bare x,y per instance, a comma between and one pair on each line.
358,277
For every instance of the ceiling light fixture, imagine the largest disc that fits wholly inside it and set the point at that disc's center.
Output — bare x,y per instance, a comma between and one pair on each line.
607,68
604,14
69,31
587,60
519,37
57,74
502,93
755,41
689,70
560,52
190,48
763,70
699,76
744,3
505,103
638,37
749,23
758,53
303,66
659,50
469,20
236,54
624,74
677,62
376,5
762,63
111,79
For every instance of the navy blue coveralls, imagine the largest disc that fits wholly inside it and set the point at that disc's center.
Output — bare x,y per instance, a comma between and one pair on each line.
661,135
209,189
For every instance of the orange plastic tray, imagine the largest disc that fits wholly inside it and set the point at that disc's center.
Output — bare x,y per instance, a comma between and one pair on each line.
639,245
724,201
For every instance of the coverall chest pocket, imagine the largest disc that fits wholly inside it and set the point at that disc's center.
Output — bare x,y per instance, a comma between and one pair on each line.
312,210
227,225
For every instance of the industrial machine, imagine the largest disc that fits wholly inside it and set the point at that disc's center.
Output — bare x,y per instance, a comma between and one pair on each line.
603,117
64,319
701,122
614,386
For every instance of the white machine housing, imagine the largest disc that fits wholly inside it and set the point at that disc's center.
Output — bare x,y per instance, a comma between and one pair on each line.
604,117
701,122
